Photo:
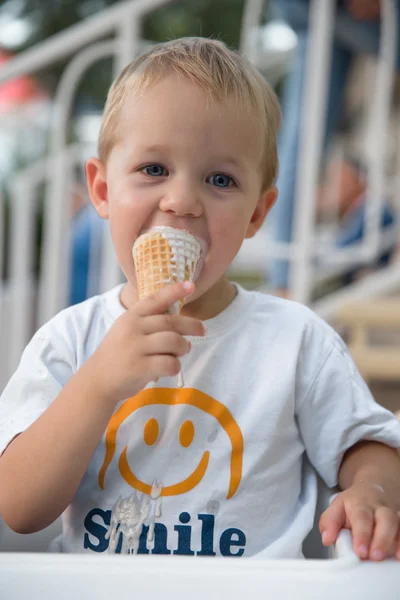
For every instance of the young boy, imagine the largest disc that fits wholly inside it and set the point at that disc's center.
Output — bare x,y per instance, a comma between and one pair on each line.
93,425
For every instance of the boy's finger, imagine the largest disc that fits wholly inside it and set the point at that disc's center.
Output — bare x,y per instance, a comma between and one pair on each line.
177,323
332,521
162,365
166,342
362,525
385,533
164,299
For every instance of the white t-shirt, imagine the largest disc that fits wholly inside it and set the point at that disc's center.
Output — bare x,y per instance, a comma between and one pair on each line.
269,383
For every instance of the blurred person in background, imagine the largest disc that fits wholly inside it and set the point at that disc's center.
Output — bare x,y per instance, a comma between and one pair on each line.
357,31
86,243
348,178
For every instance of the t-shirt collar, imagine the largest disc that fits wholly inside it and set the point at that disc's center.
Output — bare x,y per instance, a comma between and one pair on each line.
230,317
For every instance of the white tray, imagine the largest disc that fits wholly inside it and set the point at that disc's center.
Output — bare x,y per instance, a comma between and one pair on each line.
27,571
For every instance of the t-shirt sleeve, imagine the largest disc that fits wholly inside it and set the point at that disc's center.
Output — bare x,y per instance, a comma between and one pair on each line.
39,378
338,411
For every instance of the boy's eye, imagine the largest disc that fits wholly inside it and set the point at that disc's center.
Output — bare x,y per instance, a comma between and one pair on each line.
154,170
220,180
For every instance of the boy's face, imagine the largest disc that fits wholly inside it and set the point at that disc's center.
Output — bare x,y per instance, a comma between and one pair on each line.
181,160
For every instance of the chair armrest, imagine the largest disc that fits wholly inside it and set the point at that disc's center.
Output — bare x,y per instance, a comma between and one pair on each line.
343,547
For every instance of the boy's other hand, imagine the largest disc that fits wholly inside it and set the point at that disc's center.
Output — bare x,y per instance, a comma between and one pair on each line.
143,344
372,515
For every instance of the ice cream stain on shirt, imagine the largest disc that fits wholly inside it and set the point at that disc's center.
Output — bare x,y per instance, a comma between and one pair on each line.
128,516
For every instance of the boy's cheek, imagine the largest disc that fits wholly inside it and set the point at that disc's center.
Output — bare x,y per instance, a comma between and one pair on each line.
229,228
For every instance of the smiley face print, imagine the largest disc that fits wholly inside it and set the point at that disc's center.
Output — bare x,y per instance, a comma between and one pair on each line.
171,397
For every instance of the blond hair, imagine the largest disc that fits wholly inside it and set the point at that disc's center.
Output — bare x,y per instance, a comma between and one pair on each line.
222,73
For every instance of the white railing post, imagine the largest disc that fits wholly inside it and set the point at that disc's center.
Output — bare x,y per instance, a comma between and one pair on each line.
21,288
379,127
250,28
128,48
311,142
54,279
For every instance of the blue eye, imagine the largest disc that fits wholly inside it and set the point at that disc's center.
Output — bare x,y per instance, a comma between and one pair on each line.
220,180
154,170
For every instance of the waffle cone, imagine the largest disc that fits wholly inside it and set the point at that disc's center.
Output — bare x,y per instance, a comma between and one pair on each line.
164,256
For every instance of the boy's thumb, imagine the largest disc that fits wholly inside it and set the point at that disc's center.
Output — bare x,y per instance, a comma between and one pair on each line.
164,298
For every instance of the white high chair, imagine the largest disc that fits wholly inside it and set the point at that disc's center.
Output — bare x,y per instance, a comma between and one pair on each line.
28,571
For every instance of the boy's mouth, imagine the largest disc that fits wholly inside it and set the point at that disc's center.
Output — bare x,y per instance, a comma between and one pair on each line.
175,242
202,241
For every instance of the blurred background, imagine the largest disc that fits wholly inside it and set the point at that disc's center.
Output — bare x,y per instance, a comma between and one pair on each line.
331,242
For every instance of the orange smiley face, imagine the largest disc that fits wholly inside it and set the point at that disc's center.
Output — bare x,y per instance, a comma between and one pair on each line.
173,397
151,433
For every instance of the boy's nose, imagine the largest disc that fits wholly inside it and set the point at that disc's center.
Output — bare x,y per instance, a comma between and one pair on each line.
182,199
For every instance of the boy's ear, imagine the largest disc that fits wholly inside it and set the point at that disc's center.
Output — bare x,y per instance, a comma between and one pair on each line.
264,205
97,186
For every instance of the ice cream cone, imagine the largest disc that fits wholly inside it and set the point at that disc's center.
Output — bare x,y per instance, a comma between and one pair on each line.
164,256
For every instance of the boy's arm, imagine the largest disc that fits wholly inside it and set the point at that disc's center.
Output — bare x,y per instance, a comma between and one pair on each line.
335,411
42,467
372,463
370,503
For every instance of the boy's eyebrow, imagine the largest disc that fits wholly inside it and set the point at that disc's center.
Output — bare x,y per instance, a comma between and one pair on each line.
232,161
156,148
240,164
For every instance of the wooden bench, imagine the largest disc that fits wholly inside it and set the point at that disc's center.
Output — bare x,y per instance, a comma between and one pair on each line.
379,361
